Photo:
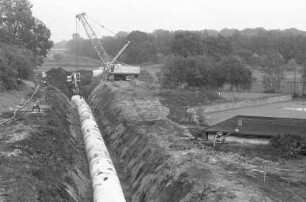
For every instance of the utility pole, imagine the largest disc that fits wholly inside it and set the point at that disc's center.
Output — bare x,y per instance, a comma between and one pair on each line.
274,63
76,37
294,89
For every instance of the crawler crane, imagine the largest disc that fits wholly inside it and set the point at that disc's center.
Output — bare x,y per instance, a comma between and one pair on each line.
111,68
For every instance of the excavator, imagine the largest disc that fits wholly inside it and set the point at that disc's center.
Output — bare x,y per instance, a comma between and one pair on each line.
111,69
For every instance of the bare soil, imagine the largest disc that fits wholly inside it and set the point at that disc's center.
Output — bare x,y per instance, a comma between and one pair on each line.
42,155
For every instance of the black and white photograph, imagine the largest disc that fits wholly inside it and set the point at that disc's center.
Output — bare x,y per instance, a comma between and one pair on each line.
152,101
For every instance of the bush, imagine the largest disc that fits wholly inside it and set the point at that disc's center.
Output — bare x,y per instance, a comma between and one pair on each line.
290,146
199,71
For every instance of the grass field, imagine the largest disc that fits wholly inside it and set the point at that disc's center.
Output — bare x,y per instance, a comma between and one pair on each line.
286,85
239,96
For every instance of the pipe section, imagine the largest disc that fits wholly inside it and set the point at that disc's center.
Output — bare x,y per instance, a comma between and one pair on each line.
105,182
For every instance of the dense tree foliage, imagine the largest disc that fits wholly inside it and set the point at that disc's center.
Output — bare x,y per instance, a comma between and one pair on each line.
238,75
252,45
189,54
217,46
186,44
141,49
15,64
24,39
194,71
19,27
209,72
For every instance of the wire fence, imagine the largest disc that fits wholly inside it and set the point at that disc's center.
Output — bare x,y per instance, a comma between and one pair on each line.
286,87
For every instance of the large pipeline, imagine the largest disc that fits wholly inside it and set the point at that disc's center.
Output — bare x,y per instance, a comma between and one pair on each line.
105,182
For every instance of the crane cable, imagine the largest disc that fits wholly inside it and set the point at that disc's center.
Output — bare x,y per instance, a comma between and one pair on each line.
110,31
77,44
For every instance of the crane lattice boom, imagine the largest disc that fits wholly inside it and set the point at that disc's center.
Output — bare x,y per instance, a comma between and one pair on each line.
104,57
110,69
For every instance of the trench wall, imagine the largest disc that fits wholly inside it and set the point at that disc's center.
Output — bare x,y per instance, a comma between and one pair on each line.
151,154
68,175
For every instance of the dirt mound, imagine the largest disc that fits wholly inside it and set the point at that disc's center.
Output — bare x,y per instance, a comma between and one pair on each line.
58,78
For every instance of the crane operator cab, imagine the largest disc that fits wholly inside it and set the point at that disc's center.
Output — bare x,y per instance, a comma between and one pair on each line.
112,68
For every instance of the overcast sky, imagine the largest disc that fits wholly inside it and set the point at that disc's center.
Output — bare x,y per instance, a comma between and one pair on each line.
149,15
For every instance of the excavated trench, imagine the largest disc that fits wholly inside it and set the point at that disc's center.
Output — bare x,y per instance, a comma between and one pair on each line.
156,159
129,127
42,156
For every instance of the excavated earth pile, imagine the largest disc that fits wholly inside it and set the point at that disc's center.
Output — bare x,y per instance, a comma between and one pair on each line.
58,78
156,159
42,157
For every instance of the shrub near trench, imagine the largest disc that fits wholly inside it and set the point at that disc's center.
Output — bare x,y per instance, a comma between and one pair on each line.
290,146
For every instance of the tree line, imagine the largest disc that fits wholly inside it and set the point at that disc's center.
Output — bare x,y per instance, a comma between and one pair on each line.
24,42
200,52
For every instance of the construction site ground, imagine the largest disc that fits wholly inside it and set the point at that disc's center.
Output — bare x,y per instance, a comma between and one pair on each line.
42,157
156,158
208,176
8,99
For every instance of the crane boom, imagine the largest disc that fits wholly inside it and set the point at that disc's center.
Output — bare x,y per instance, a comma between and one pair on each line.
119,53
111,70
102,54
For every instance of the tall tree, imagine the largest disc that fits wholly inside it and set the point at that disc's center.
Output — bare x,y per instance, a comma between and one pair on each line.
162,41
15,64
274,70
186,43
238,74
18,26
141,48
217,47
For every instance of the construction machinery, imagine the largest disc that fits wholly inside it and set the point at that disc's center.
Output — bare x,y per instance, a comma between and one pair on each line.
111,68
73,80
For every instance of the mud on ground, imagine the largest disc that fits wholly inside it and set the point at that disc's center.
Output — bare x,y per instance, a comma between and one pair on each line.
42,157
